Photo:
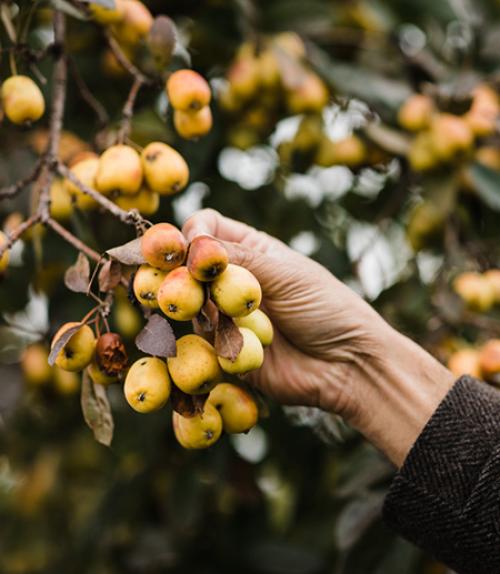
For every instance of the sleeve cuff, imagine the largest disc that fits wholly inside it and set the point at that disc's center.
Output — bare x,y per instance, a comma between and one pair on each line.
446,497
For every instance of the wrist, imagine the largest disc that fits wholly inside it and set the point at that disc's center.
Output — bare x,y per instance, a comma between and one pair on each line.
391,389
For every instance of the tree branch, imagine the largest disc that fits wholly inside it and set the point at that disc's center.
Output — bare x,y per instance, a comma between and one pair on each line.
18,231
87,95
124,61
128,110
132,217
59,79
73,240
11,190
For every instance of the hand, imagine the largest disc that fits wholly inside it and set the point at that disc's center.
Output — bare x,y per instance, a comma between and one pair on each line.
320,324
331,349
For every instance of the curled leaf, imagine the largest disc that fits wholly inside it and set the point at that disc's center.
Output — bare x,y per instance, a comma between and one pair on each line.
161,40
206,321
228,338
157,338
129,253
58,344
187,405
96,410
110,275
77,277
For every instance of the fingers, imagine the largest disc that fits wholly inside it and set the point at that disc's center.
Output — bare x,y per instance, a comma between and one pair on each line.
270,260
211,222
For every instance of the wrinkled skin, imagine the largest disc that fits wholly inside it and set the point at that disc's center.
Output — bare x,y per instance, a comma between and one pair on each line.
321,325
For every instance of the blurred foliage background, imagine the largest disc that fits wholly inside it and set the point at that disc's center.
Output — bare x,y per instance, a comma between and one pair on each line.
291,496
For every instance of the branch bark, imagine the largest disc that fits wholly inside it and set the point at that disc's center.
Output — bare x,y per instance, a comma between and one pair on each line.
73,240
128,110
59,79
124,61
132,217
87,95
11,190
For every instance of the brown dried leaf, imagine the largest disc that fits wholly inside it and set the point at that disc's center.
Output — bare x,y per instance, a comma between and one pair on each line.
187,405
77,277
228,339
96,410
129,253
110,275
161,40
157,338
205,323
59,344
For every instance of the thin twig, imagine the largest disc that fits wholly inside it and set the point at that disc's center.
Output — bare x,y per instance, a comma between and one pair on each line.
73,240
12,190
132,217
87,95
128,110
7,22
16,234
49,165
124,61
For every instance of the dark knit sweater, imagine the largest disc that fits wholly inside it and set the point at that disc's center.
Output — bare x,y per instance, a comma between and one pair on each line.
446,497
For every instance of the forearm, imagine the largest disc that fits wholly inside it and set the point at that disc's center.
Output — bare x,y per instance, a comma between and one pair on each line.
401,387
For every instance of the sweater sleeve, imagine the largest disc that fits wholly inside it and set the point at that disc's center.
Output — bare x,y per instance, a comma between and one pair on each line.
446,497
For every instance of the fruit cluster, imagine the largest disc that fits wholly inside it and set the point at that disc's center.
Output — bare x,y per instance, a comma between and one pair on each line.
130,179
133,27
482,362
189,94
182,281
479,291
268,80
177,279
444,137
271,81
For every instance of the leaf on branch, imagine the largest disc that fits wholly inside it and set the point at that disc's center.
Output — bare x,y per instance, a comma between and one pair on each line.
60,343
388,139
96,410
110,275
487,184
228,338
129,253
69,9
161,40
104,3
157,338
77,277
187,405
204,324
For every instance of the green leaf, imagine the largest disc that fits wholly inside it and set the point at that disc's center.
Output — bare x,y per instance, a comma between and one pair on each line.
487,184
69,9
